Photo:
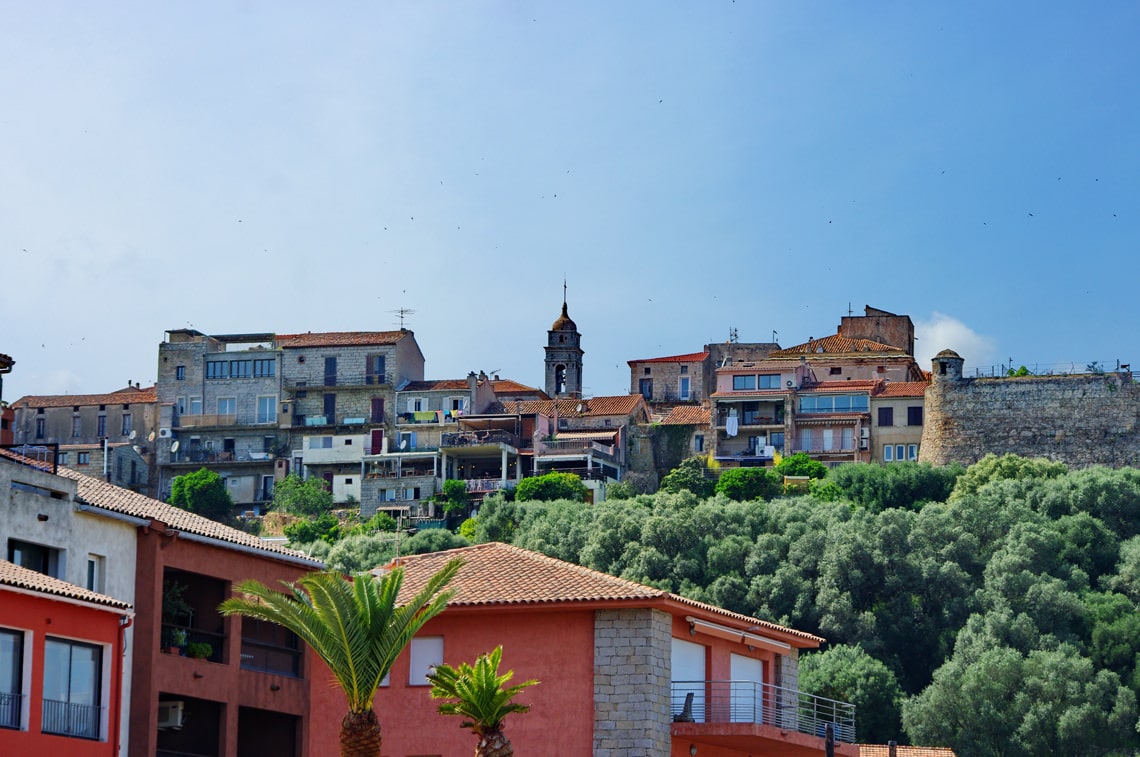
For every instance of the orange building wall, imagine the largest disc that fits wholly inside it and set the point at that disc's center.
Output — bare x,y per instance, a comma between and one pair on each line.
556,647
154,672
47,617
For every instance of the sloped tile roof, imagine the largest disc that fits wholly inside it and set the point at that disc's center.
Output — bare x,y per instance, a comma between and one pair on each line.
622,404
129,395
882,750
496,574
23,578
841,386
506,386
436,386
99,493
837,345
340,339
903,389
692,357
687,415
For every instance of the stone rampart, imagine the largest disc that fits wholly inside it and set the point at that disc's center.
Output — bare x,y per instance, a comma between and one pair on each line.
1080,420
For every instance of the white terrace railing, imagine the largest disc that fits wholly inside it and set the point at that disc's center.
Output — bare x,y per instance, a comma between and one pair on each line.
762,703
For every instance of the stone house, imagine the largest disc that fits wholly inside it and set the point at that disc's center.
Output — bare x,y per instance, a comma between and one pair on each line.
676,378
624,669
897,415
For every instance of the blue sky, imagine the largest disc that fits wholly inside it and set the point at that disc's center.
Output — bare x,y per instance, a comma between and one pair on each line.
686,167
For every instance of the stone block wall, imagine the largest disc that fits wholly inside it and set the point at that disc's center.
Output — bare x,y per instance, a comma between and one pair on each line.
632,664
1081,420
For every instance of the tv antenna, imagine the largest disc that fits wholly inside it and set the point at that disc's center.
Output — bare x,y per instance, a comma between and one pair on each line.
733,335
402,313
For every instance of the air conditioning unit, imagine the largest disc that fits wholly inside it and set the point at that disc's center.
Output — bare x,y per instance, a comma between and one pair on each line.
170,714
164,433
863,444
865,433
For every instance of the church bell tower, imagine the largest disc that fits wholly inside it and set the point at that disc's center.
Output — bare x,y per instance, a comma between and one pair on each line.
564,356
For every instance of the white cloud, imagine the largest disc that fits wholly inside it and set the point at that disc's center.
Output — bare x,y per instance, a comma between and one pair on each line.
946,332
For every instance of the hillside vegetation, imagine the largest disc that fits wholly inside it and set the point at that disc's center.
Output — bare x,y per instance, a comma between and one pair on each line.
993,610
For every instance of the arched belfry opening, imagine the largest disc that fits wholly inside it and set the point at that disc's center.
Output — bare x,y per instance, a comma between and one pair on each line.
564,356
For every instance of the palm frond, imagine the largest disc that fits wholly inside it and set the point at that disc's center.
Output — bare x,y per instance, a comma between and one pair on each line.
354,625
478,691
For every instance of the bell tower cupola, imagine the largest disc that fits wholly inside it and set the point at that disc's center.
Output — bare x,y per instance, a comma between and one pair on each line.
564,356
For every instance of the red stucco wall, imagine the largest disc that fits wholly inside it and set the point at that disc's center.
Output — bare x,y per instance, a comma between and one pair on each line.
47,617
556,647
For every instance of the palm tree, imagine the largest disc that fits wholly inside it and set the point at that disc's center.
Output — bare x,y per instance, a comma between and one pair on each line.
355,626
481,698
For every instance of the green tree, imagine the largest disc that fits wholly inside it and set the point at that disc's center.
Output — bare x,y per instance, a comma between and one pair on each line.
551,486
689,475
308,497
1007,467
746,484
906,485
454,497
849,674
324,527
355,626
479,694
202,492
800,464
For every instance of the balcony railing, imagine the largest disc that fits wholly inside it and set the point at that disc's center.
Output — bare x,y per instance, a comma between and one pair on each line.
319,380
270,658
483,485
208,421
11,705
478,438
215,456
67,719
577,447
171,638
761,703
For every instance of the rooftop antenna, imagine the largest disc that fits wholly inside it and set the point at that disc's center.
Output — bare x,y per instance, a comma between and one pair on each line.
403,313
733,335
564,290
850,312
774,335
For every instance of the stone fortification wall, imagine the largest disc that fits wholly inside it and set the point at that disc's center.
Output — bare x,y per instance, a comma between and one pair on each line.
1079,420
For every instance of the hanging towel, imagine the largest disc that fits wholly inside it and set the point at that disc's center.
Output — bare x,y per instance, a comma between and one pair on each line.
730,426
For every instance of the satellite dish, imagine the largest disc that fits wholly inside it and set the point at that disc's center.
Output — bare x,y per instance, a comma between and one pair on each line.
150,437
579,407
789,384
138,449
174,446
403,444
132,435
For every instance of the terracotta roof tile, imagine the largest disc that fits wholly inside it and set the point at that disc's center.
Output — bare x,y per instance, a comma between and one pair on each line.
340,339
97,492
692,357
903,389
687,415
127,396
23,578
622,404
837,345
506,386
436,386
502,574
841,386
882,750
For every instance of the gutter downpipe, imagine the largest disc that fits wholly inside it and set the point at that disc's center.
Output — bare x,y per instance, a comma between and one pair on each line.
124,624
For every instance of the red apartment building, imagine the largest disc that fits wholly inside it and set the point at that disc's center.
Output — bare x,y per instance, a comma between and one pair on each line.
61,666
623,668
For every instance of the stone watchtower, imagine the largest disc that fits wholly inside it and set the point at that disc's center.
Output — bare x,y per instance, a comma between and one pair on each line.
947,366
564,357
941,428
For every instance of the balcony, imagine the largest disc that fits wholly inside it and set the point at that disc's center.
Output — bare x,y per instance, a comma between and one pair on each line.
318,380
489,437
709,703
67,719
577,448
422,417
752,419
269,648
11,705
224,420
487,485
215,456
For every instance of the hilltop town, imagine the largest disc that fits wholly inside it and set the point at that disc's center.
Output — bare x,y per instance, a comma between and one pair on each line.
682,637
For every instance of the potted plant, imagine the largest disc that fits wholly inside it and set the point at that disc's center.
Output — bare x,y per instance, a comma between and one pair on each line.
178,637
199,650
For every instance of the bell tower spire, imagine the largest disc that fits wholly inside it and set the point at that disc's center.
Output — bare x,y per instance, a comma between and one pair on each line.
564,355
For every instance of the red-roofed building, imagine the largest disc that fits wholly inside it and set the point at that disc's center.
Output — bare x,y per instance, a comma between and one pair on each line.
62,655
623,668
815,397
898,410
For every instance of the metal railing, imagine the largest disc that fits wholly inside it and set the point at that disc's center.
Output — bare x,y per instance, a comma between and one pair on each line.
270,658
11,706
477,485
67,719
761,703
477,438
43,457
181,637
318,379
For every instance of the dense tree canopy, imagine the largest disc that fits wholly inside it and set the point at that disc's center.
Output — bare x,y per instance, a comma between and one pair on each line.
551,486
308,497
980,592
202,492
